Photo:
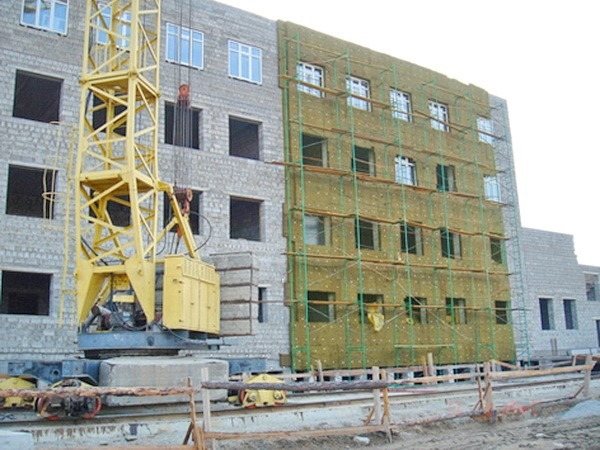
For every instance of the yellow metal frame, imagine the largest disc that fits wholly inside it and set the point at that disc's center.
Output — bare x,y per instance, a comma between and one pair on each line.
116,168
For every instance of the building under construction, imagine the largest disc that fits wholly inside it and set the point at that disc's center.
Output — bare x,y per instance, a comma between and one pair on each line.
399,207
395,234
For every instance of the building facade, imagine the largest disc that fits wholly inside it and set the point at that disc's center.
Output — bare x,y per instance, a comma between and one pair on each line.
394,210
562,296
222,147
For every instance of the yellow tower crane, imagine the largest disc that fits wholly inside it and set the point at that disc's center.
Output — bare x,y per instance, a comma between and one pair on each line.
130,293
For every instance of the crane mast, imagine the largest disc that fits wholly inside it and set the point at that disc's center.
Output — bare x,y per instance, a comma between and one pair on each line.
120,243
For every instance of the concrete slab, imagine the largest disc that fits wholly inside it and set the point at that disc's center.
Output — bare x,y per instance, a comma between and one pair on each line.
16,439
159,371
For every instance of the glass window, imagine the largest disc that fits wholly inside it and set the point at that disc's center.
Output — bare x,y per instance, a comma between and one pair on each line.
485,129
314,150
439,116
501,312
310,74
570,314
51,15
406,171
245,62
367,235
592,287
410,239
359,87
401,108
456,310
320,306
491,188
363,160
496,250
185,46
416,311
546,313
446,180
451,245
315,230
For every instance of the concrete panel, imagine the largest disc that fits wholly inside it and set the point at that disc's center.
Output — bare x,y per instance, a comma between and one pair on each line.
16,439
159,372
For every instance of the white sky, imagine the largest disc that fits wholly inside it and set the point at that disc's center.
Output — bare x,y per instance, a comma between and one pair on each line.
541,56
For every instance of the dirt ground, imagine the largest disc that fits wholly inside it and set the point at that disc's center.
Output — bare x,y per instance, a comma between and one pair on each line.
536,429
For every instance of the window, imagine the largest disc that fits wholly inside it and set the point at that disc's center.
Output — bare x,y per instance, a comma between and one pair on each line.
182,125
30,192
546,313
359,87
320,308
439,116
104,24
411,240
245,62
570,314
446,180
312,75
592,288
491,188
451,245
244,138
501,312
416,311
37,97
400,102
497,250
262,306
406,171
314,151
194,212
185,46
244,219
363,160
367,235
51,15
485,130
367,303
316,230
456,310
25,293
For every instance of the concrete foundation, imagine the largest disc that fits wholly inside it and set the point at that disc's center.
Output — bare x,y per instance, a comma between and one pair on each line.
163,372
16,439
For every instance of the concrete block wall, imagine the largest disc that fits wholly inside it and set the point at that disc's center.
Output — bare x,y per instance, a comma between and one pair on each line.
552,271
32,244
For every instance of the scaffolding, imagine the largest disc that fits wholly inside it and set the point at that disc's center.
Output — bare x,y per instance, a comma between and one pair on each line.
394,248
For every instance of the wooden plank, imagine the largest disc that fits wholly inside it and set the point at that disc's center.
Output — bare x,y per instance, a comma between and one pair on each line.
296,433
538,373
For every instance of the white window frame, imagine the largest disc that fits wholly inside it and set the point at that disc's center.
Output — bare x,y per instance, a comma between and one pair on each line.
245,52
406,170
485,128
491,188
312,74
316,230
361,87
52,19
438,113
123,29
401,105
195,41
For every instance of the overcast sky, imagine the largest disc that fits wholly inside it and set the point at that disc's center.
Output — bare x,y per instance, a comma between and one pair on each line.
541,56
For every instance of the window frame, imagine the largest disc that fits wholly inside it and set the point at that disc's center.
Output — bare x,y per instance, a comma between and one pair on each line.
501,312
406,231
329,316
368,299
359,228
404,166
456,311
546,323
240,55
362,88
370,162
570,313
172,109
491,188
592,286
415,309
497,251
316,141
401,105
453,248
445,178
485,130
37,16
323,235
306,72
439,116
177,35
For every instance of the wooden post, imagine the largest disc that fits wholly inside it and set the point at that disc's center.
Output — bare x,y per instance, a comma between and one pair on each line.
488,401
377,412
386,408
321,378
430,366
193,429
205,393
587,376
